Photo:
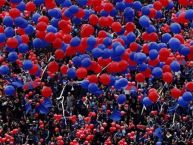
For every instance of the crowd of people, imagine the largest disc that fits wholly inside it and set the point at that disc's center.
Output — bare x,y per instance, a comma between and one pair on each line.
96,72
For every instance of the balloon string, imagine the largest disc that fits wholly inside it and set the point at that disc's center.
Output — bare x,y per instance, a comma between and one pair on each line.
103,69
62,102
144,108
46,66
174,117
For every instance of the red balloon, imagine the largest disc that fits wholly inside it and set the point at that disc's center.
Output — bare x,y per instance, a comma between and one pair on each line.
12,42
164,54
30,6
2,2
92,78
134,46
46,91
183,2
189,86
105,79
140,77
14,13
153,96
34,69
25,38
41,26
157,5
86,30
93,19
164,2
53,67
50,4
64,69
167,77
108,7
166,68
122,65
130,27
59,54
152,13
81,73
80,13
113,67
57,43
50,37
116,27
175,93
102,34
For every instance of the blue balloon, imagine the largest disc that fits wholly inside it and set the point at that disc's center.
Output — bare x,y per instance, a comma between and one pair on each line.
20,22
189,14
191,25
68,14
37,43
187,96
86,62
27,64
140,57
120,6
175,66
23,48
153,54
4,70
56,13
129,12
185,50
150,29
153,45
82,2
175,28
131,37
121,83
71,73
147,102
15,1
114,12
35,17
166,37
84,84
38,2
67,3
12,56
119,50
137,5
29,30
9,32
144,21
174,44
143,67
2,37
51,28
8,21
97,52
106,53
21,6
76,61
107,41
121,99
92,87
91,41
145,10
159,15
157,72
170,5
182,102
9,90
73,9
74,42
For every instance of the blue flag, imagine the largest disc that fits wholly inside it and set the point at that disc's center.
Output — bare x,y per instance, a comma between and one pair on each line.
116,115
158,133
28,107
